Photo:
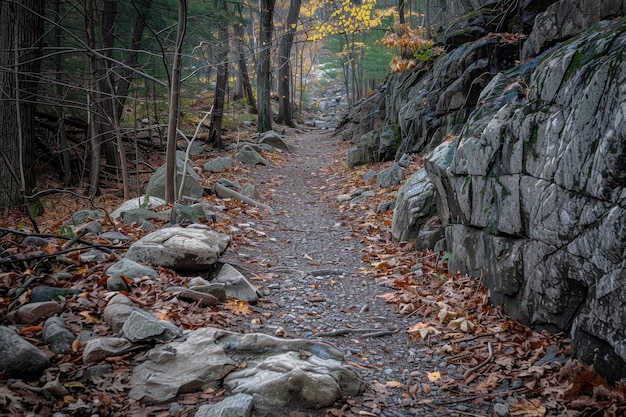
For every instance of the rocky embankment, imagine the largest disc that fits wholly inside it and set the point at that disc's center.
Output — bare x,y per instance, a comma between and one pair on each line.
524,142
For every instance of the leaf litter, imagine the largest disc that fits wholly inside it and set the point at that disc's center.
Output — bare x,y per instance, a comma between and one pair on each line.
450,312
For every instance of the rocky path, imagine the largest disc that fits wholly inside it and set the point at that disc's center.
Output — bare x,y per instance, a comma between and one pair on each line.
310,269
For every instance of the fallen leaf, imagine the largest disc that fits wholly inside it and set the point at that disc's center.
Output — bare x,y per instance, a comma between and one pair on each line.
388,296
461,323
238,307
394,384
434,376
424,329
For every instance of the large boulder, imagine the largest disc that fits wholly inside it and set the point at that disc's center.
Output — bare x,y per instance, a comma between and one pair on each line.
192,187
278,371
192,248
533,193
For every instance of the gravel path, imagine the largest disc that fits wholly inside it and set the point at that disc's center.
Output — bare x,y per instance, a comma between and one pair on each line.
309,269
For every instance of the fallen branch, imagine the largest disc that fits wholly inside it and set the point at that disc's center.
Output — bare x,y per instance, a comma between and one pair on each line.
202,297
480,365
225,191
366,332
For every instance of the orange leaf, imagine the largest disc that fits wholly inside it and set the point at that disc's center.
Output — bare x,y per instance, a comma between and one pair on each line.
238,307
388,296
31,329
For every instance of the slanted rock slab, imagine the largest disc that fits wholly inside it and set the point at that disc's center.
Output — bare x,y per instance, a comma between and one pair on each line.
249,156
193,248
315,372
18,357
236,285
239,405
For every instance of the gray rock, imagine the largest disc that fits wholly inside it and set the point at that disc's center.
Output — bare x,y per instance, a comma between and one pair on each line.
192,188
274,140
236,285
404,161
94,374
141,215
386,205
197,147
179,367
142,201
249,156
104,347
117,311
558,23
390,176
34,313
36,241
58,338
94,227
182,214
250,191
501,410
369,175
218,290
220,164
18,357
199,360
116,283
83,216
294,378
239,405
131,269
234,185
142,326
114,237
533,197
415,205
45,293
191,248
389,140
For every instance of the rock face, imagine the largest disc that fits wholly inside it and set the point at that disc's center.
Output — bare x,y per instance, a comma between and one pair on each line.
538,191
529,169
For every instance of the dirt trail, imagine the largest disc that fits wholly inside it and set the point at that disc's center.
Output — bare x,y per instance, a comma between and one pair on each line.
309,269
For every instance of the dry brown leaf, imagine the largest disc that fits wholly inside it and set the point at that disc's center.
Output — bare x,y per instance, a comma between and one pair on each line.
238,307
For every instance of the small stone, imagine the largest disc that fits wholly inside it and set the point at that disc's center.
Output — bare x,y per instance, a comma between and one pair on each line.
34,313
517,384
501,410
116,284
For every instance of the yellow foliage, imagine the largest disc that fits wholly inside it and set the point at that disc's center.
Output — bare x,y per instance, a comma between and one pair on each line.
343,17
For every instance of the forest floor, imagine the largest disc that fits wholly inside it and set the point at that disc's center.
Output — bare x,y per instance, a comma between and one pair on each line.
426,341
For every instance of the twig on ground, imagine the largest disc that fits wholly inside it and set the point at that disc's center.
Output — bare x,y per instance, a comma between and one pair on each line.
480,365
366,332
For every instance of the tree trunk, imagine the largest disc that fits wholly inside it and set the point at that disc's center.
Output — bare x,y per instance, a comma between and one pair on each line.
174,105
242,75
21,28
221,83
285,107
263,70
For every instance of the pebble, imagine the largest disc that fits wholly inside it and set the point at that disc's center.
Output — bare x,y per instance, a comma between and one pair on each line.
501,410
